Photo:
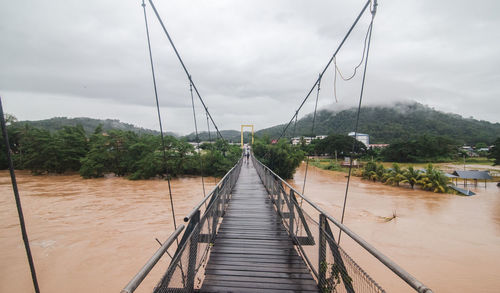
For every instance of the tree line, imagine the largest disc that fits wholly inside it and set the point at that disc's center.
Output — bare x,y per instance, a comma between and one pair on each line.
424,148
123,153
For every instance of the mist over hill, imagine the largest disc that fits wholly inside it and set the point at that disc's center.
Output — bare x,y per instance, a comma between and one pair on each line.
386,124
89,124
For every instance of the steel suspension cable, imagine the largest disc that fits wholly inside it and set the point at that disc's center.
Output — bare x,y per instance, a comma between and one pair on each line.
159,116
208,128
18,200
197,137
184,67
295,125
312,134
210,140
327,65
357,115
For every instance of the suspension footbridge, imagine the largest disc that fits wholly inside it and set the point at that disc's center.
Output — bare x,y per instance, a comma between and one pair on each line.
254,232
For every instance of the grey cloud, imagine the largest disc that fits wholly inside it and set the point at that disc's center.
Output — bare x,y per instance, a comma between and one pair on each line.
253,61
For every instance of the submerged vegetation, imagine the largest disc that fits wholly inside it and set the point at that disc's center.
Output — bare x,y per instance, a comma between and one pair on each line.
430,179
123,153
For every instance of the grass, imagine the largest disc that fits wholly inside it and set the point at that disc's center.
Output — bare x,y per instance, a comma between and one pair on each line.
327,164
330,164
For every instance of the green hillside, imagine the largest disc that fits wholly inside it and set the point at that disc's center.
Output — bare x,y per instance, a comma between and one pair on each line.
229,135
89,124
388,124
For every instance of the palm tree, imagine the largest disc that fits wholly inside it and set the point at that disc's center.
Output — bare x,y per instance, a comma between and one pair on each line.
380,172
434,180
412,176
395,176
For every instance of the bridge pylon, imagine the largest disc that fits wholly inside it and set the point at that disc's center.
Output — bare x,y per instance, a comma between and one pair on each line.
243,126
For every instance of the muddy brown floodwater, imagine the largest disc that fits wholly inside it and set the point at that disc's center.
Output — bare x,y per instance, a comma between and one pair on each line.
94,235
87,235
450,243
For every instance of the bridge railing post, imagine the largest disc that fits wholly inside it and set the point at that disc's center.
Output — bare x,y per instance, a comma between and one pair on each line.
291,214
323,266
193,252
278,202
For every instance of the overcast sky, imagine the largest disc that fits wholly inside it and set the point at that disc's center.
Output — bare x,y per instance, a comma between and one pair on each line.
253,61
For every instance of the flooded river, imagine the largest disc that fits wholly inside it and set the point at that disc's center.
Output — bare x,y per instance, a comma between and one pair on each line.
450,243
87,235
94,235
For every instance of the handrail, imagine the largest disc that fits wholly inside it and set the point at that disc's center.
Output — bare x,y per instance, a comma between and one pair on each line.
139,277
407,277
198,206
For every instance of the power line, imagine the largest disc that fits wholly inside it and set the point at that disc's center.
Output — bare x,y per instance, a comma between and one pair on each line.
326,67
337,69
189,76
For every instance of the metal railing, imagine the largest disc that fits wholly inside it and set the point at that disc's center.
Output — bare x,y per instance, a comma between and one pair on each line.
183,272
309,227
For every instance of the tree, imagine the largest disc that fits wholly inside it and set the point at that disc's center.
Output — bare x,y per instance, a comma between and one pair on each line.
282,157
341,144
495,152
434,180
411,176
423,148
72,145
97,160
395,175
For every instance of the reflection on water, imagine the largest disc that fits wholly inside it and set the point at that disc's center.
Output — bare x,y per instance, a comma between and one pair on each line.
94,235
451,243
87,235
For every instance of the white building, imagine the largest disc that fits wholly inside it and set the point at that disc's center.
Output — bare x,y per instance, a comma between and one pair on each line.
362,137
296,140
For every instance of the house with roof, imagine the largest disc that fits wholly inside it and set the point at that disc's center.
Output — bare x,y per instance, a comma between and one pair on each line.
474,175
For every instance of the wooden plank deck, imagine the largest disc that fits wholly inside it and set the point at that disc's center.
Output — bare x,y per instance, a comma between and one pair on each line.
252,251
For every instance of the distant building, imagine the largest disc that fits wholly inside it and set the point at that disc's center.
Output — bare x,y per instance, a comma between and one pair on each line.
307,139
362,137
378,145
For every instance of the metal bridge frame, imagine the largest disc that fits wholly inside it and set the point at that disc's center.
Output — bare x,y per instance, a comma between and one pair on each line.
243,126
193,248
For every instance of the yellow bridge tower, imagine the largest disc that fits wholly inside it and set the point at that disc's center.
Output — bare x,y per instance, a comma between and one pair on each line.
243,126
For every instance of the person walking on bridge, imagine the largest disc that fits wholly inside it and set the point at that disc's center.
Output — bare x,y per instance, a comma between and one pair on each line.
247,154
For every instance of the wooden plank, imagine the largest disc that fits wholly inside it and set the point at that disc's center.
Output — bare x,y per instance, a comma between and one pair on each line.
256,285
253,251
248,267
300,282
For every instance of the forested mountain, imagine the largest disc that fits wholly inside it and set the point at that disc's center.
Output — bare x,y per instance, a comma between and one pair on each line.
89,124
402,121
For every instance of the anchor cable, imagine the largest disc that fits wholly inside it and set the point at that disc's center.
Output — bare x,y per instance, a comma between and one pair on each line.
357,115
18,200
159,116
